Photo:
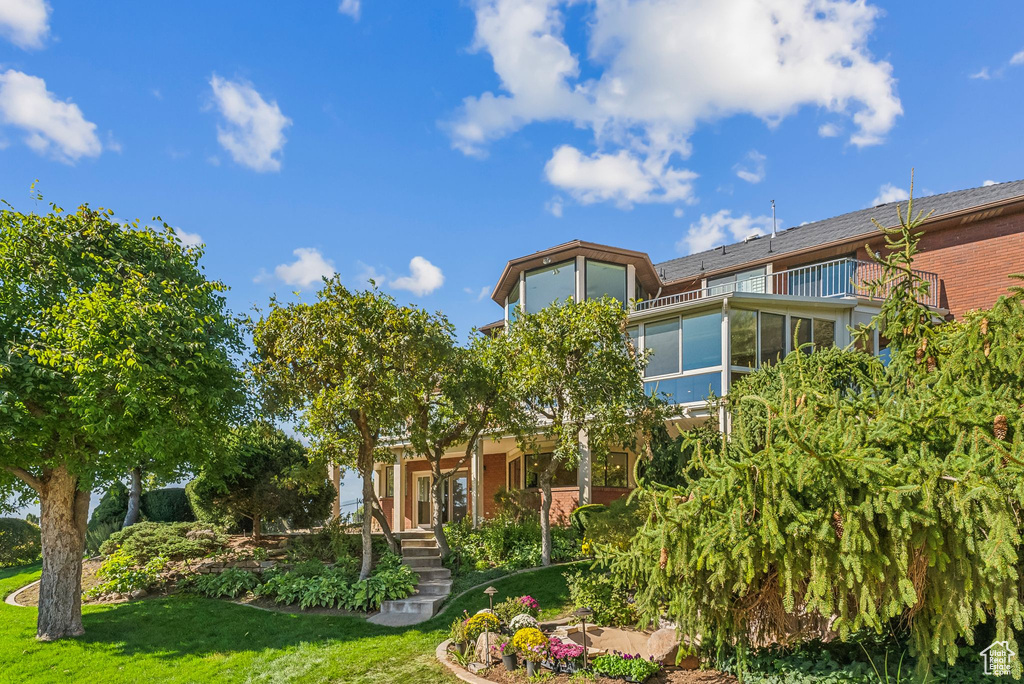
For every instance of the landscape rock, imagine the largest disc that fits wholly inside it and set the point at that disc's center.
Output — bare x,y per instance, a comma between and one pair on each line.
481,644
663,645
200,534
139,593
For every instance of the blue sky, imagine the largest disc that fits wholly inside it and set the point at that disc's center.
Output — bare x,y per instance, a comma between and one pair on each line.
344,130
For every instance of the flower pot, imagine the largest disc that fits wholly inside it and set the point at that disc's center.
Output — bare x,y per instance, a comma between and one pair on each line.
509,661
531,668
550,665
461,647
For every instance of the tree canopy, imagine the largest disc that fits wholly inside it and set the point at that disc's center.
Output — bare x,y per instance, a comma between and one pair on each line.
114,343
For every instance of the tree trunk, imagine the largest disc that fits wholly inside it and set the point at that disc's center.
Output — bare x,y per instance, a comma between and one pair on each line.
64,512
382,520
367,467
134,498
257,526
545,519
437,513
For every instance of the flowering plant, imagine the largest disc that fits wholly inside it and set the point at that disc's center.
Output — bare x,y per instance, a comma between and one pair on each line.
531,644
564,651
480,623
502,648
521,622
530,603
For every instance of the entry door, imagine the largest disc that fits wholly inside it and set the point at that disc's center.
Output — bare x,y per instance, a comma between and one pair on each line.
423,501
454,502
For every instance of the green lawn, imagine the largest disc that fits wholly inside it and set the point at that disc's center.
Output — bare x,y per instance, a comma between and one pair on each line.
187,639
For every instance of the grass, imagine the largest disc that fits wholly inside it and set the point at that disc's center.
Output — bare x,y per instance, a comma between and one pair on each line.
190,639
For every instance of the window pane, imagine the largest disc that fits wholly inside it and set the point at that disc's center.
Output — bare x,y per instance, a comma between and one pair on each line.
799,333
513,302
606,279
634,335
515,473
702,341
743,337
686,389
389,481
824,333
662,338
563,477
752,280
546,286
615,473
773,337
638,290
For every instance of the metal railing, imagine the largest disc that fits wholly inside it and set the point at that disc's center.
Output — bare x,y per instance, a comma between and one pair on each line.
829,279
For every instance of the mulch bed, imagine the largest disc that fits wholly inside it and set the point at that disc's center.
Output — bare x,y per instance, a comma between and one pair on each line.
667,676
30,597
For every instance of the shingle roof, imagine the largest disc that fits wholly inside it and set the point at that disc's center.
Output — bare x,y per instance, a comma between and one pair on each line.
845,226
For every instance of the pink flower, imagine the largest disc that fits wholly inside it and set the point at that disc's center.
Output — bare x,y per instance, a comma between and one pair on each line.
529,602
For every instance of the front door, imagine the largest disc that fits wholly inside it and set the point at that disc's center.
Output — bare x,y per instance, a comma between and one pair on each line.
454,502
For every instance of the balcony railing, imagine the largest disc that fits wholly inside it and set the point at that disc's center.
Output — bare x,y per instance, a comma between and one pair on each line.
830,279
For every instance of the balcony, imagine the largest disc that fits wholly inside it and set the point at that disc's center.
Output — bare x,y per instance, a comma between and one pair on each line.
828,280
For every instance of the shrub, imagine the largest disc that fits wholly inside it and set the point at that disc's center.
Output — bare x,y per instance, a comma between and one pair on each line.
624,665
231,582
578,518
614,526
519,505
311,584
108,516
480,623
19,542
531,644
599,592
167,505
123,573
513,606
332,544
147,540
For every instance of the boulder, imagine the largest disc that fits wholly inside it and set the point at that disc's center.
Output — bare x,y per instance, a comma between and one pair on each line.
663,645
480,652
200,534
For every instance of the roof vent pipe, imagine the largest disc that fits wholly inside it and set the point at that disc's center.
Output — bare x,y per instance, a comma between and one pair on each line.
775,233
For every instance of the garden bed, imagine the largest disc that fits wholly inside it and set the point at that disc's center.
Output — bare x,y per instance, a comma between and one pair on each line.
30,595
666,676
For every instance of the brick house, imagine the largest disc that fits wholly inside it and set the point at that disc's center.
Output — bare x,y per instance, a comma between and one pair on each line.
710,317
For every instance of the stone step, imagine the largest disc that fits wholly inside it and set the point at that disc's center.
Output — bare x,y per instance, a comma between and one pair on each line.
414,534
434,588
408,611
433,574
417,543
420,552
424,562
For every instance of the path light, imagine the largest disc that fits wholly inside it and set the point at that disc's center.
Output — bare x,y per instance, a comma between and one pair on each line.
490,591
582,614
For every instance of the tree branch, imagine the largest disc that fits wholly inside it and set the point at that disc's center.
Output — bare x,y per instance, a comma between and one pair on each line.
26,477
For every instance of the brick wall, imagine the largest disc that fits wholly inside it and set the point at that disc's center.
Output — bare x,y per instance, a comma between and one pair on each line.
494,479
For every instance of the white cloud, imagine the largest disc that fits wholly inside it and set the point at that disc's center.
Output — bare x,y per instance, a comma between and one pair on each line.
722,228
368,273
351,8
890,193
424,277
989,182
188,239
982,74
752,168
678,212
623,178
478,295
1017,59
308,268
54,127
655,69
554,206
25,22
254,130
828,130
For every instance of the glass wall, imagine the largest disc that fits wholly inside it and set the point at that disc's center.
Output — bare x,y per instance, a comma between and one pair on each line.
609,470
513,302
605,279
536,463
686,388
765,337
744,281
662,338
686,346
773,337
550,284
702,341
743,338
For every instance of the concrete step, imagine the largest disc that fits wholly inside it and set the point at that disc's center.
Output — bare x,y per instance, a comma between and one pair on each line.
417,543
407,611
420,552
434,588
425,562
414,534
432,574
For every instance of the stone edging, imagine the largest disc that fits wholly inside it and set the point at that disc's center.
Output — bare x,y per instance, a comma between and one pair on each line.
14,594
441,653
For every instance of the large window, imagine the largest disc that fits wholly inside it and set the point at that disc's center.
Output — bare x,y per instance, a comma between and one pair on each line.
513,302
800,332
550,284
389,481
702,341
687,388
515,473
535,465
744,281
609,470
773,337
824,333
606,279
662,338
743,337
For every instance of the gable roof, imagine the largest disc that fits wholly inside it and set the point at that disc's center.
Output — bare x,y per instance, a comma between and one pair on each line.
836,229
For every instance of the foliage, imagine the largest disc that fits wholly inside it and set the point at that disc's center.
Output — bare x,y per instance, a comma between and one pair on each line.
263,473
457,631
114,343
515,605
598,591
167,505
519,505
146,540
531,644
857,490
337,367
112,507
507,542
671,461
230,583
521,621
19,542
123,573
573,370
480,623
614,526
579,516
625,665
332,543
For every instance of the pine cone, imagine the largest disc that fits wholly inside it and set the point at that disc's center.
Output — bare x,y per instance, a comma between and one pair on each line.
931,364
837,524
664,558
1000,426
988,348
984,326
